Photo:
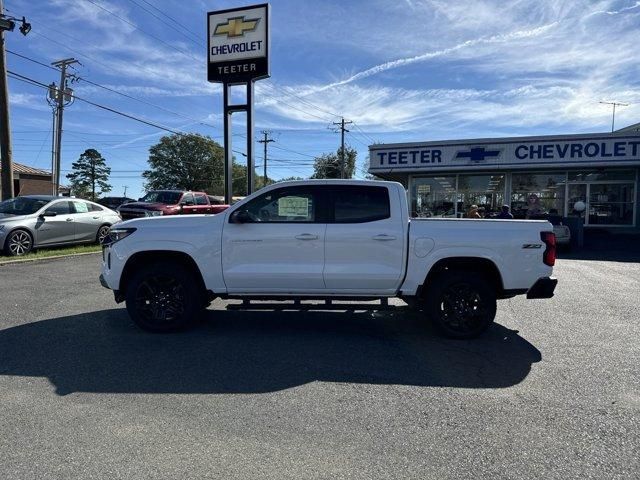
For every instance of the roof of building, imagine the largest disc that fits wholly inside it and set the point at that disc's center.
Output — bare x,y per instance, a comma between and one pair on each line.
628,129
20,168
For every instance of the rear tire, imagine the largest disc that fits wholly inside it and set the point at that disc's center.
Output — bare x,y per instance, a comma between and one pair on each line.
103,231
461,304
164,297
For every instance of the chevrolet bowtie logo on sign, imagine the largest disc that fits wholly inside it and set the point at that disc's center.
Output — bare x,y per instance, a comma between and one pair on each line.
238,44
235,27
477,154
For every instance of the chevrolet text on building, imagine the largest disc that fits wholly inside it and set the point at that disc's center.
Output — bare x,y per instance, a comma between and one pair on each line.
238,44
525,152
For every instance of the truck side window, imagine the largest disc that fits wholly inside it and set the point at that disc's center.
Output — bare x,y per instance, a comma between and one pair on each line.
187,198
356,204
201,199
283,205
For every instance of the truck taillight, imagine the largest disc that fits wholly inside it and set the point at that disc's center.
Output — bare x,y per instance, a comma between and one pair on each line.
549,255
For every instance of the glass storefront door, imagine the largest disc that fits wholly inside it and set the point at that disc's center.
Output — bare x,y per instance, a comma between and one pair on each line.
602,203
577,200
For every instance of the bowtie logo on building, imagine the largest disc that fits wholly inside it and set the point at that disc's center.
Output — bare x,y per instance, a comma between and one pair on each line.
236,27
477,154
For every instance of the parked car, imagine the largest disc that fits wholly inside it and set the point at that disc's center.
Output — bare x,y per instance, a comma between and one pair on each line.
114,202
562,232
38,221
169,202
329,240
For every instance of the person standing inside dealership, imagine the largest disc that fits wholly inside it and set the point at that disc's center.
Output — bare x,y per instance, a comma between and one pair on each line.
533,206
473,212
505,213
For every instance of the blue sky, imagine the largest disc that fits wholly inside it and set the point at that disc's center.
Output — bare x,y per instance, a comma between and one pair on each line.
407,70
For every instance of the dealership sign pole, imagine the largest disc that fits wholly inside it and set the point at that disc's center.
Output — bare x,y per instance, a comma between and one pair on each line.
238,54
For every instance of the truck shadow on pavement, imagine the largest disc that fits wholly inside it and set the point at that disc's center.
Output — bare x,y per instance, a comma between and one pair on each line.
256,352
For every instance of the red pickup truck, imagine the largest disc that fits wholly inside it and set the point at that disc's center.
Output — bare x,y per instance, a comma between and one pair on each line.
169,202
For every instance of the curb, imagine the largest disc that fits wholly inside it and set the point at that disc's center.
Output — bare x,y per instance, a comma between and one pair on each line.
54,257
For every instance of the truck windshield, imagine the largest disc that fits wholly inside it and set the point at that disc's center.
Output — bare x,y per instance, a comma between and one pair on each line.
22,206
170,198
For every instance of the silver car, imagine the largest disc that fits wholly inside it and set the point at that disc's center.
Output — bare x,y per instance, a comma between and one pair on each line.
37,221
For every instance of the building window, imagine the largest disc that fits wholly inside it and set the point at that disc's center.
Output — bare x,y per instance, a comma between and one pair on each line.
602,197
602,176
483,191
433,196
535,194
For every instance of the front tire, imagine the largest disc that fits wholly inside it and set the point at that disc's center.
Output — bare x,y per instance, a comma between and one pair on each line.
18,243
163,297
461,304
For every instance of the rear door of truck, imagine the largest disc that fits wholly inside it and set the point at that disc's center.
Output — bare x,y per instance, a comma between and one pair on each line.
365,239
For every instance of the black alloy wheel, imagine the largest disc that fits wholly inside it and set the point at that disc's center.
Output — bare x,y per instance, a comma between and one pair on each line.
18,243
462,305
163,297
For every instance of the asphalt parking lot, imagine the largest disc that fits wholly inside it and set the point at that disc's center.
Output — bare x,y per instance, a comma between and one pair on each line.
552,391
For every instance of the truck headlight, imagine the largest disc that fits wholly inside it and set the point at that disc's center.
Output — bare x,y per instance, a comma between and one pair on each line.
153,213
116,234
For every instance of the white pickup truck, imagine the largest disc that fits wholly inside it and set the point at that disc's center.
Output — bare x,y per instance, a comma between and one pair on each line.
327,240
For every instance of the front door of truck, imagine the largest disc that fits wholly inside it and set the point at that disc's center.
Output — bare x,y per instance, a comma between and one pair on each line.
275,243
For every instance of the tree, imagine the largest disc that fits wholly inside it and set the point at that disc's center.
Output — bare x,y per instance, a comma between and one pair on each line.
328,164
189,162
89,172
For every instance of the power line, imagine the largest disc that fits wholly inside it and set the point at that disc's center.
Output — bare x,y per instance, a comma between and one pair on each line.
168,16
26,79
170,25
200,122
364,133
173,47
31,60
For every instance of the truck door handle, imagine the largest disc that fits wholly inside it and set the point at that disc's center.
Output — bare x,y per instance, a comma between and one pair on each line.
307,236
383,237
95,218
69,220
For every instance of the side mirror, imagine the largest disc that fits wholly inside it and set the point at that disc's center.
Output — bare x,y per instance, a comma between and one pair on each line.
141,200
188,204
48,213
240,216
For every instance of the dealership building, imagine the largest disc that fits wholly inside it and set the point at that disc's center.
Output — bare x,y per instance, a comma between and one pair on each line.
590,176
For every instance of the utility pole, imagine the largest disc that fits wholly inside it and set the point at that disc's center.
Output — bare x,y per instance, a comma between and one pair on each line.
63,95
266,141
341,125
615,104
6,160
125,190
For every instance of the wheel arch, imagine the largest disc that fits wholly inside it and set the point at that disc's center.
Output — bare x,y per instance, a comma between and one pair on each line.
481,265
137,260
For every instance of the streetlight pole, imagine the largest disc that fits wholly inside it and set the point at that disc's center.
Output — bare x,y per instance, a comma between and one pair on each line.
6,160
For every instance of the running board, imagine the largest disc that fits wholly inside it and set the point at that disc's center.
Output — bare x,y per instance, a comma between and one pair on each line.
302,305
